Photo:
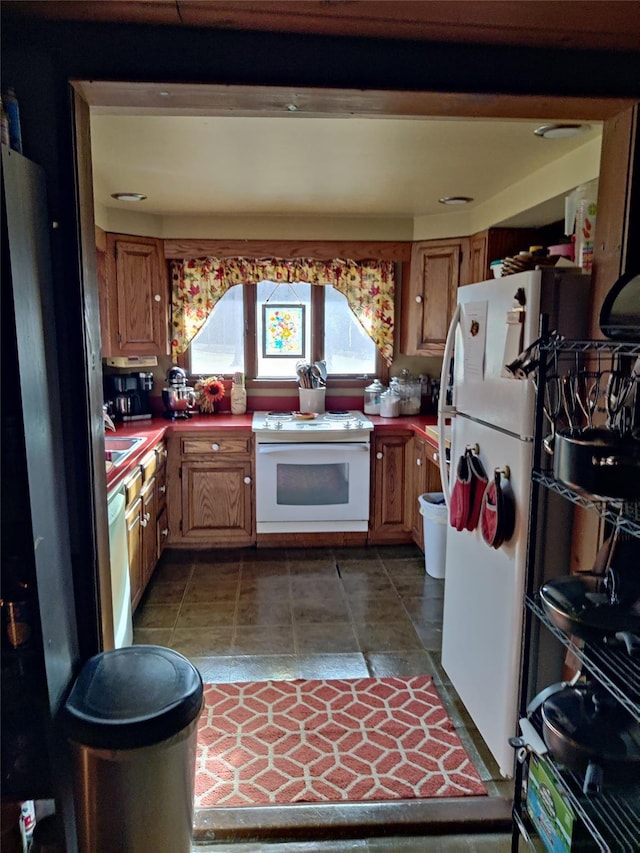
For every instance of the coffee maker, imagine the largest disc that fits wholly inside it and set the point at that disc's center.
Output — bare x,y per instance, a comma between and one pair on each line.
128,394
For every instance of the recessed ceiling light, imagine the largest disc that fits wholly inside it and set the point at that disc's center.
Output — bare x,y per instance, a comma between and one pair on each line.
455,199
560,131
128,196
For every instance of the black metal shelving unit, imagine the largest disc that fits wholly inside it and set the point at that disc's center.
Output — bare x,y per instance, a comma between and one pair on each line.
612,816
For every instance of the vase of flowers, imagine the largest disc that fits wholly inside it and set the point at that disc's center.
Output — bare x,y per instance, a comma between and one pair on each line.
208,391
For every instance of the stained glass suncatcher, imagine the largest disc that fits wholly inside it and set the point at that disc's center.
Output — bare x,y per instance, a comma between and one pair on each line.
283,331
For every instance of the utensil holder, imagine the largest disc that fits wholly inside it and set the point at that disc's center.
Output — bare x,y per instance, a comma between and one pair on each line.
312,399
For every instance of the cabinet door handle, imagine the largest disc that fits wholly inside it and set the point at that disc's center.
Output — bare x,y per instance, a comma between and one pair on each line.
436,456
144,521
247,481
215,446
158,298
162,489
379,454
165,532
418,299
419,462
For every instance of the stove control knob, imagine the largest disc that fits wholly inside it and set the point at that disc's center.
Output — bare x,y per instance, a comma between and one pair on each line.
277,425
347,425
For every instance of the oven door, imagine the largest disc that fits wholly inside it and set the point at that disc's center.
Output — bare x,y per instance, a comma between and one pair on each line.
306,488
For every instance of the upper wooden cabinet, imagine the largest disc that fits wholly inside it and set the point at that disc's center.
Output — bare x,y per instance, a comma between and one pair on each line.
497,243
437,268
134,296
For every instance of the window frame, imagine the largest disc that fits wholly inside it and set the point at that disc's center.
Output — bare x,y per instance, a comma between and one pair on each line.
381,369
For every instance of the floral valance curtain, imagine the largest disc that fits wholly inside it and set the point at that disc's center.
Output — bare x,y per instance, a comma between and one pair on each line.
198,284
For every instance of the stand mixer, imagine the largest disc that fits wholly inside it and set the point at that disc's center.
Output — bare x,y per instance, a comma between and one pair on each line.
179,398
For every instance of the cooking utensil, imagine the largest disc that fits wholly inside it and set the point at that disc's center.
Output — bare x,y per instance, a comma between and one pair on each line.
581,605
587,393
588,732
552,407
598,461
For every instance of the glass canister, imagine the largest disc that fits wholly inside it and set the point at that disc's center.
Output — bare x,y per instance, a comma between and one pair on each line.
372,394
409,389
389,404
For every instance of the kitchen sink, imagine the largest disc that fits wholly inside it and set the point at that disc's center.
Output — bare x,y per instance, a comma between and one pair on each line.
116,450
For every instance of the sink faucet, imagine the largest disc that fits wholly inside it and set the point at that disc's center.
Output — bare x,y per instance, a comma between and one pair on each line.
108,423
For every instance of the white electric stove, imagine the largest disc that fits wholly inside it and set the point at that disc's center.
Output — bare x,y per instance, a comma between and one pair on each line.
312,473
343,426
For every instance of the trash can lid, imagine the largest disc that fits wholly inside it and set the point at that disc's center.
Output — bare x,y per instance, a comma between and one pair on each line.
132,697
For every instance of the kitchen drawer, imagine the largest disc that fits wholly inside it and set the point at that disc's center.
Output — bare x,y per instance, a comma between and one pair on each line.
161,454
148,464
432,453
133,485
213,445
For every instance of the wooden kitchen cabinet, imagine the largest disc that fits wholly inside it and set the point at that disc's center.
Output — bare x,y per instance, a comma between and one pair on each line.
210,482
134,297
390,499
425,478
145,503
437,268
162,520
497,243
133,517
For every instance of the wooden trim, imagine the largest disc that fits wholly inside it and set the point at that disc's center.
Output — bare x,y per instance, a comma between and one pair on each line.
96,592
613,25
618,189
319,250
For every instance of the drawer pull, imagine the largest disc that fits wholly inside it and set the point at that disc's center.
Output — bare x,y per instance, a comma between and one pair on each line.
379,454
247,481
215,446
418,299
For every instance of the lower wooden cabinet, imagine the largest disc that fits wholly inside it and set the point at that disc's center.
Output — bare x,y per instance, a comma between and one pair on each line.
145,504
425,478
390,519
210,485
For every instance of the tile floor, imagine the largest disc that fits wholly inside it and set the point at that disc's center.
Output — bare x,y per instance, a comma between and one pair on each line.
247,614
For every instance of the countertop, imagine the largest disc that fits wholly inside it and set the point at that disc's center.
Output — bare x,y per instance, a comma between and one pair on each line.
154,429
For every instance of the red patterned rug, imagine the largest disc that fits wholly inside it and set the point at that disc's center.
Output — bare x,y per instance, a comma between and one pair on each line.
343,740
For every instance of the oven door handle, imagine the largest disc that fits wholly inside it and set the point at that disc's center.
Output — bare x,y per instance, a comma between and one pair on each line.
326,447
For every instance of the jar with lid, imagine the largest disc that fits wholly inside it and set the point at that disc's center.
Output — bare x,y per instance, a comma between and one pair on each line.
389,404
409,390
372,394
238,395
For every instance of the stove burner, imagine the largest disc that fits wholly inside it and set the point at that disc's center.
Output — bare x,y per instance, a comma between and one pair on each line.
278,414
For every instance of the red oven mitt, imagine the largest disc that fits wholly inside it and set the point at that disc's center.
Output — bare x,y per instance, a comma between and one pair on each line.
461,494
479,482
497,515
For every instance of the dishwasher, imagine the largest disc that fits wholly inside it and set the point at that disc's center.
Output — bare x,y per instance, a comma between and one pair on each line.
119,561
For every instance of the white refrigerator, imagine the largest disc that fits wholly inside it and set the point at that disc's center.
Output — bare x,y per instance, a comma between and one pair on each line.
490,409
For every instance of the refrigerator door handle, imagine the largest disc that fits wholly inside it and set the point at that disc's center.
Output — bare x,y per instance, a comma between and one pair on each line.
445,411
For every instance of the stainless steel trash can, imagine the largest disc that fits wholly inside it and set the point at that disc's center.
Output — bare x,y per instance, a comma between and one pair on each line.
131,719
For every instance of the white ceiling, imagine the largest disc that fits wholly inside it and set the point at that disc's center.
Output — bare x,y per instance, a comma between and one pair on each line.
306,166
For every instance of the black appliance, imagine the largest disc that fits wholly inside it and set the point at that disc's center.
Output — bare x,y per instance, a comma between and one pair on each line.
127,395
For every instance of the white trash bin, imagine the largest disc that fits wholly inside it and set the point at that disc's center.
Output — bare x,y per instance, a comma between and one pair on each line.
434,518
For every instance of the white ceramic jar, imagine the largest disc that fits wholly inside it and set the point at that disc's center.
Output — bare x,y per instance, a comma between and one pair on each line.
389,404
